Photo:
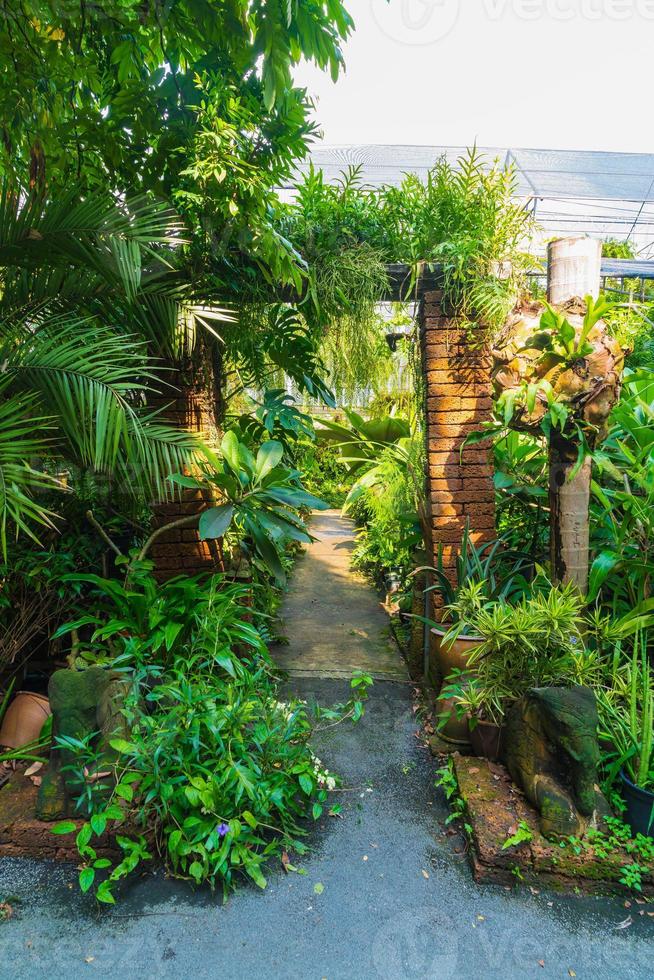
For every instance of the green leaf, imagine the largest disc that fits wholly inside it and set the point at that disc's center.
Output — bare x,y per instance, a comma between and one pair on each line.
190,482
229,449
567,334
306,782
125,792
104,895
269,456
86,879
215,521
254,872
602,566
98,823
114,812
84,836
64,827
122,746
196,871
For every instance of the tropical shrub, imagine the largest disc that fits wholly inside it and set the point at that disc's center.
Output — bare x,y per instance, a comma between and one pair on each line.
485,574
324,472
626,708
214,132
262,500
385,457
623,500
536,642
558,372
520,474
217,776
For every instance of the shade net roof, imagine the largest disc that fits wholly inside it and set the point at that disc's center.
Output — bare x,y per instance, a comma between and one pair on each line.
603,194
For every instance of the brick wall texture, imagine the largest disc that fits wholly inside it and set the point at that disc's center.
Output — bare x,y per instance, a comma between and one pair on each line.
458,395
180,551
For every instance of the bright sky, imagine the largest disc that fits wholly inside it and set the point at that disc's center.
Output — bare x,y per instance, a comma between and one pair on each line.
565,74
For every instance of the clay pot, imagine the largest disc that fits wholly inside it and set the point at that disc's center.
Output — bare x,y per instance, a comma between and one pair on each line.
452,656
455,653
24,719
487,740
455,730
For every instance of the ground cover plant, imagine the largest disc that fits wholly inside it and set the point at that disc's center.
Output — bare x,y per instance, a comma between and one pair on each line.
217,776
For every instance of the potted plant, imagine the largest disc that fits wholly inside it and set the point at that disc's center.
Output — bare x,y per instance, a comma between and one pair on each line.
483,710
484,574
627,721
538,642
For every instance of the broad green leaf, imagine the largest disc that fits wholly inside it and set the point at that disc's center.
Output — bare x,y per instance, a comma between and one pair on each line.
64,827
122,746
602,566
269,456
306,782
86,879
98,823
103,894
215,521
229,449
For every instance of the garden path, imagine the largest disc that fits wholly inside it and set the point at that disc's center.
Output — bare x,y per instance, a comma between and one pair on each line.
331,615
385,893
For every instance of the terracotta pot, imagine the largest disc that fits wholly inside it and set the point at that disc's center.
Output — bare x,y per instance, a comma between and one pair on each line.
24,719
455,729
455,653
487,740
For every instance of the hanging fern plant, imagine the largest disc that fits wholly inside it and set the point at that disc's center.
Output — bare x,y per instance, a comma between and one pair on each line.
465,217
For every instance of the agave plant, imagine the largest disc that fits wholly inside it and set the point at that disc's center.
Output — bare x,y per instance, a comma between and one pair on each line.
485,574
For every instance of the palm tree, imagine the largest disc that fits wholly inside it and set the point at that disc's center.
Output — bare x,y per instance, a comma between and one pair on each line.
89,297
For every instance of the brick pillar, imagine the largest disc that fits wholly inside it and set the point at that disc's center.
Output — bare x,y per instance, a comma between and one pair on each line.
458,395
180,551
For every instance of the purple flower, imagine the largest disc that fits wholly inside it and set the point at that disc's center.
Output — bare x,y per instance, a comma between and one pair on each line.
223,828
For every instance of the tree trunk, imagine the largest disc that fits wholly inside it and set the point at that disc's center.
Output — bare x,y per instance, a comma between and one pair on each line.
573,269
569,514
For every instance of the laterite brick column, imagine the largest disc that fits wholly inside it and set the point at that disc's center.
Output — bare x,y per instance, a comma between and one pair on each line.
458,395
180,551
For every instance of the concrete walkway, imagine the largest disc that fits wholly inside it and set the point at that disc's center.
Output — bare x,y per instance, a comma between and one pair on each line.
384,894
332,616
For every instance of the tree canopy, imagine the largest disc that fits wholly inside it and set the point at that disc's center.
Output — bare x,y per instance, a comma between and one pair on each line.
191,101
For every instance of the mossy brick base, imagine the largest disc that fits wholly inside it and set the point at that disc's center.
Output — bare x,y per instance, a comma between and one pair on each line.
22,835
494,809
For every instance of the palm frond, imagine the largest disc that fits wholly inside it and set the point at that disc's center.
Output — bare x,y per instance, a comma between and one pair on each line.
23,435
154,451
87,379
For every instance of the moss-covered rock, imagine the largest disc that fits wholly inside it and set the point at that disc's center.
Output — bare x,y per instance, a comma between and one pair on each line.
83,702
